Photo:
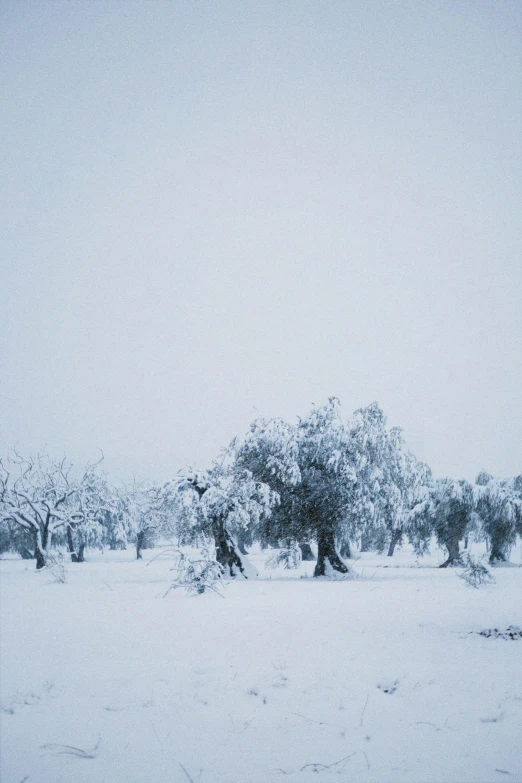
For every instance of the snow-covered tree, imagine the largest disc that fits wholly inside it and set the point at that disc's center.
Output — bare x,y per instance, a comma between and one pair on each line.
90,502
215,505
499,507
447,510
116,522
310,467
147,514
389,482
36,494
406,483
367,440
332,478
325,495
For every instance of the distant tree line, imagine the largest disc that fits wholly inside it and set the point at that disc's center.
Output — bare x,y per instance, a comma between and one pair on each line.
322,481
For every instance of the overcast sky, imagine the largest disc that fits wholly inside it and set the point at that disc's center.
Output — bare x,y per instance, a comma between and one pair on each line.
214,211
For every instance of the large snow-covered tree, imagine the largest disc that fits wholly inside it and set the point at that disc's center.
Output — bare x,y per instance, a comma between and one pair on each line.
310,466
334,478
325,494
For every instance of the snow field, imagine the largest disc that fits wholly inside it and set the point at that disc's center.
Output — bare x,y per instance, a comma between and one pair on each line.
381,678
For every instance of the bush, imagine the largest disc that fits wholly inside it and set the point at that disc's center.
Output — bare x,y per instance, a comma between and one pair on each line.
196,576
289,557
475,573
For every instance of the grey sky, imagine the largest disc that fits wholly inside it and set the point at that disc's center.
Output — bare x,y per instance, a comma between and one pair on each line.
218,210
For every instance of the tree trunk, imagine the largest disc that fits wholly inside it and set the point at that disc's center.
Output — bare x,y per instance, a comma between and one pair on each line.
395,538
499,551
40,558
306,551
81,556
466,542
454,558
140,538
227,555
70,546
327,558
39,551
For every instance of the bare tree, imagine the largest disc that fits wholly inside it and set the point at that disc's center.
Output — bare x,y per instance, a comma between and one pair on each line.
35,494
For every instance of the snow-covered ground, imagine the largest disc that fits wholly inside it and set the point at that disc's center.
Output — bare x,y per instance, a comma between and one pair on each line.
382,678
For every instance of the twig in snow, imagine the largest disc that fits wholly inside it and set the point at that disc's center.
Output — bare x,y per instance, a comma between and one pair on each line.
312,720
504,772
186,773
26,778
364,708
68,750
327,766
366,759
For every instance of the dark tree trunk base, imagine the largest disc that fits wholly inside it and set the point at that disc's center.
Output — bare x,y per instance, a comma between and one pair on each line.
328,560
454,556
498,554
71,547
396,537
451,561
228,557
140,540
306,551
39,552
40,558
